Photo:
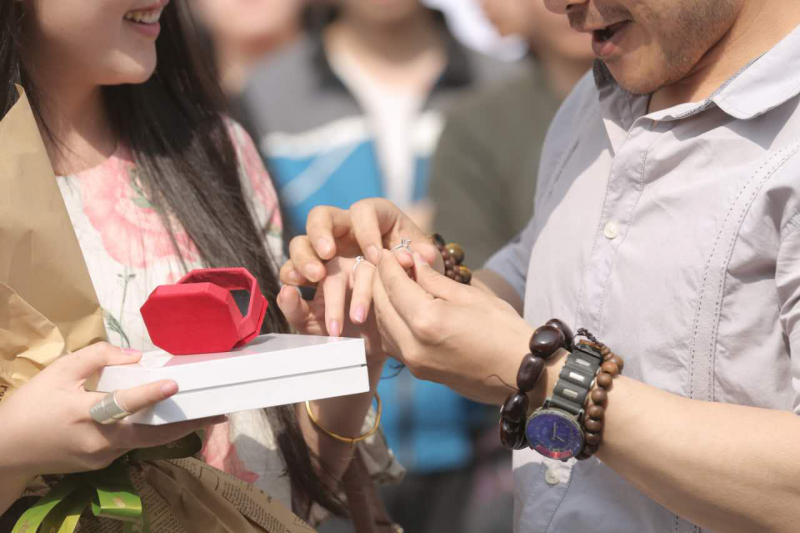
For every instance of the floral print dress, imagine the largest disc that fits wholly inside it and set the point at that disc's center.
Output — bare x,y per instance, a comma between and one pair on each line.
129,253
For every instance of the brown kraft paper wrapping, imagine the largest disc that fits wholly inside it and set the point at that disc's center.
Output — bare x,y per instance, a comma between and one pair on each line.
48,307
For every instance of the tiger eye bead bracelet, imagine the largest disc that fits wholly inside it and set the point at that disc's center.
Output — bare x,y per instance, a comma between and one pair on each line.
453,256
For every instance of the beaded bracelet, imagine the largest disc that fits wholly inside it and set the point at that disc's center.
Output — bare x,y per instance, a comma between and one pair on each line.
594,415
453,256
544,343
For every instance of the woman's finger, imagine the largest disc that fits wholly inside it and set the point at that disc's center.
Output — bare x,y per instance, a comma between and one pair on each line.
128,436
138,398
335,295
372,220
305,259
325,225
289,275
361,298
294,308
80,365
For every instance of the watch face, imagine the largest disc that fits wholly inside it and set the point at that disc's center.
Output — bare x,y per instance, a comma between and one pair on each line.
554,434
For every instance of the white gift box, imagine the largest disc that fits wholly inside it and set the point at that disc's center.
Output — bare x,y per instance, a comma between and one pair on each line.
274,369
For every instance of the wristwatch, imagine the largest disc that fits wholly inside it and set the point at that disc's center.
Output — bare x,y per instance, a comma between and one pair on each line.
554,430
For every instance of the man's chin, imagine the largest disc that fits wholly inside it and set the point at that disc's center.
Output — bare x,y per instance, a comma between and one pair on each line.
632,79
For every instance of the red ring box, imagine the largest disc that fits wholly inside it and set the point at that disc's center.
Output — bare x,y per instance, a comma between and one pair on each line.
208,311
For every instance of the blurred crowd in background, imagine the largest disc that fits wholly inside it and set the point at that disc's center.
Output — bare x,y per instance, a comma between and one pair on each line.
441,106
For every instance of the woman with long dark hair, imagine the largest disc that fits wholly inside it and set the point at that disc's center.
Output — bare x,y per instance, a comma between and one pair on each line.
156,182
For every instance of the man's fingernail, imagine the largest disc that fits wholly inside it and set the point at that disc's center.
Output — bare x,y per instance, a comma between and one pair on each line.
295,277
419,260
132,352
334,328
360,314
323,246
168,389
373,254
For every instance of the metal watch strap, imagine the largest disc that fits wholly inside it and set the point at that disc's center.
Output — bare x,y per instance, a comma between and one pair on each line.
576,379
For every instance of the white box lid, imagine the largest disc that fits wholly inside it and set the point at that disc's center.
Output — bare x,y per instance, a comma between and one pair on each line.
268,356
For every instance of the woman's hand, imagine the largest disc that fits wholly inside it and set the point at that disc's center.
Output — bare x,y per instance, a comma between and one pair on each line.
447,332
324,315
368,227
47,428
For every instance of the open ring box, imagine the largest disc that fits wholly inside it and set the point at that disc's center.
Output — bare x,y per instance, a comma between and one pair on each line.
207,327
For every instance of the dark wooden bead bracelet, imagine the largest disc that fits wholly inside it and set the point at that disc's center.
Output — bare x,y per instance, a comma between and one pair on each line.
594,414
453,256
544,343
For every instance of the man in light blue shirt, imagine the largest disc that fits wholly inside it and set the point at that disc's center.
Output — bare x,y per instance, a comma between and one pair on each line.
667,221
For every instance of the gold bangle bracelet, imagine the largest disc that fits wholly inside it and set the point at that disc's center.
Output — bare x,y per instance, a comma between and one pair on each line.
348,440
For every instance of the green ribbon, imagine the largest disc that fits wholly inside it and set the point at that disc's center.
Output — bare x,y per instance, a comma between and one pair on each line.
108,492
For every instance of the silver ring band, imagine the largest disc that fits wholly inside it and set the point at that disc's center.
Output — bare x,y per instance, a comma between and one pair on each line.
108,410
359,260
405,244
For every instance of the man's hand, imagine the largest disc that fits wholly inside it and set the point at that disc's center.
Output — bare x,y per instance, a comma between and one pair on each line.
448,332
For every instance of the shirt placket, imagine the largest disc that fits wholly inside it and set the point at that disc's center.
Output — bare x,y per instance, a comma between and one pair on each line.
623,191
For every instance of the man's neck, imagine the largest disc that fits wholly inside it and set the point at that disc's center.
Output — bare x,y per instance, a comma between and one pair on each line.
400,53
758,28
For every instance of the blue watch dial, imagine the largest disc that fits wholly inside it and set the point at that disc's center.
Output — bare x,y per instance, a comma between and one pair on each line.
554,434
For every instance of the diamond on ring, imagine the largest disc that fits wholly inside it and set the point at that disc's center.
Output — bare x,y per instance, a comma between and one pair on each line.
359,259
108,410
405,244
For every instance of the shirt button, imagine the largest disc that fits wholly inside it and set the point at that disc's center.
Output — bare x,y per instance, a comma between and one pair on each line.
552,476
611,230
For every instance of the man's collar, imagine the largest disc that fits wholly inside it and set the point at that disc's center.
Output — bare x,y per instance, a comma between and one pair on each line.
765,83
458,71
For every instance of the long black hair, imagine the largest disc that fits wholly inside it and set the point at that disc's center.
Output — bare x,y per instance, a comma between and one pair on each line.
174,127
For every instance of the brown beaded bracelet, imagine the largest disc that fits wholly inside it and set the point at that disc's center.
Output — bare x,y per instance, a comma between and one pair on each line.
594,415
453,256
544,343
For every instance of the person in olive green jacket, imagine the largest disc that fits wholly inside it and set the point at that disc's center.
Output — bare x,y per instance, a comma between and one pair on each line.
483,173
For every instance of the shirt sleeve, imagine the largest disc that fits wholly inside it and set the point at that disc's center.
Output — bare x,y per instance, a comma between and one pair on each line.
787,278
512,260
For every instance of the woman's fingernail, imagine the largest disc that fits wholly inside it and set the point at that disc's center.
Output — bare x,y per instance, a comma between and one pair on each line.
132,352
360,314
311,272
168,389
295,277
419,260
334,328
323,246
373,254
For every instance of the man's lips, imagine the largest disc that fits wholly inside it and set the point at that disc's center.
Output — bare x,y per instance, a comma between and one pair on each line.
604,27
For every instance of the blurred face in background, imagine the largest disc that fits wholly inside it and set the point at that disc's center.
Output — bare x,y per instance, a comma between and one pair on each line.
381,12
250,20
546,32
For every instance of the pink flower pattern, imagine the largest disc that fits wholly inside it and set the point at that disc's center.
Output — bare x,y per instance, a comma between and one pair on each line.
133,234
132,231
